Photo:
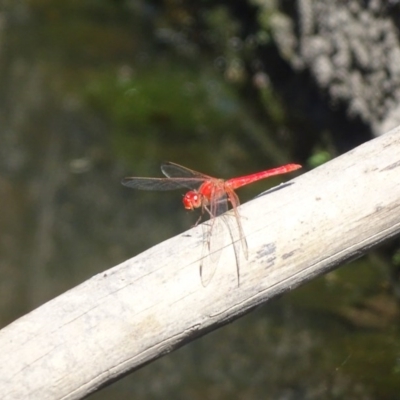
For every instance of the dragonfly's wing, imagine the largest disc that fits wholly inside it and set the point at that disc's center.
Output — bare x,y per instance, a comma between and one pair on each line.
172,170
213,235
234,226
234,200
218,201
161,183
218,206
234,239
213,240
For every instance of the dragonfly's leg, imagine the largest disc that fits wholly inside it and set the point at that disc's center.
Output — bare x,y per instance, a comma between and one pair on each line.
208,211
198,220
201,215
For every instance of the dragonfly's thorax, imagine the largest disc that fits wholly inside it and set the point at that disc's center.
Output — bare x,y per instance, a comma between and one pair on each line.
212,189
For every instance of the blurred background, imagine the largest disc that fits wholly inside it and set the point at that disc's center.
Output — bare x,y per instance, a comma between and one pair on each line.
92,91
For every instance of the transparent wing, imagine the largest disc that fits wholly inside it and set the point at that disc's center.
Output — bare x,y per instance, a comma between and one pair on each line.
161,184
177,177
213,235
172,170
234,200
237,241
213,241
214,232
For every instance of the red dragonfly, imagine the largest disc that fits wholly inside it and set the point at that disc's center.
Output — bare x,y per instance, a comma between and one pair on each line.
212,195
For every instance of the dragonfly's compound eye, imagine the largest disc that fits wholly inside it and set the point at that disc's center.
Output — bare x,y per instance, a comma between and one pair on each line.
191,200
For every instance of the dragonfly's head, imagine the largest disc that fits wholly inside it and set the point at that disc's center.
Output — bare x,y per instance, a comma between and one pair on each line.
192,200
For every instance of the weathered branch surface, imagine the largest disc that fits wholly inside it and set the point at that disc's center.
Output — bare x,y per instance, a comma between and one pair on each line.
149,305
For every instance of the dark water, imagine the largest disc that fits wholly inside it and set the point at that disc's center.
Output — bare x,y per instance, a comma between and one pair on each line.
92,92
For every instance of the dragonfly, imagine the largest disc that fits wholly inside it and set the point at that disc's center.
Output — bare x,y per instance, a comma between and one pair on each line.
211,195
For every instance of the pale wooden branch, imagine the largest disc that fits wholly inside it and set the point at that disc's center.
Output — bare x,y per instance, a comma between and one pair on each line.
153,303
